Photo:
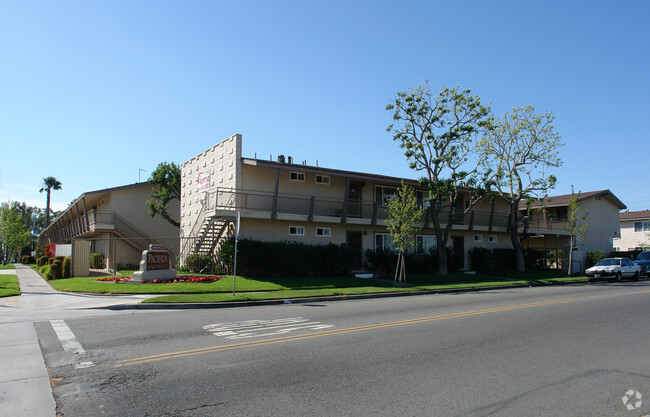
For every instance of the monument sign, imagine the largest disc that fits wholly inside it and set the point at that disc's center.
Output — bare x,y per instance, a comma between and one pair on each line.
155,264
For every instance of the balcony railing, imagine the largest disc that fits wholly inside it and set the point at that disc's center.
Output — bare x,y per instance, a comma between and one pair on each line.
226,201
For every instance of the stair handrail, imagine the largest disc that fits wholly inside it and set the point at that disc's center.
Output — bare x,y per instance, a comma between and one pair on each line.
200,218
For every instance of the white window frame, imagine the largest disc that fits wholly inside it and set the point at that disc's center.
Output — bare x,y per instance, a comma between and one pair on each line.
419,244
325,232
492,239
299,176
478,238
644,227
324,179
297,230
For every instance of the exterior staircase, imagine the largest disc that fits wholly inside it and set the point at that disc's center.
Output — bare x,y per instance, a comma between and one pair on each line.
210,232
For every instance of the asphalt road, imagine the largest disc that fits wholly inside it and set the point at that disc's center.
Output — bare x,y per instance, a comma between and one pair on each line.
572,350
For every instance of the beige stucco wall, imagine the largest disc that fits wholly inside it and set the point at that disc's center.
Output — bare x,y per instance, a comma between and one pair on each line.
278,230
130,204
223,163
603,221
629,239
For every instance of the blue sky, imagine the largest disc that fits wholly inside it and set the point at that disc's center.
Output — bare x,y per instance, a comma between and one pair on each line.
93,91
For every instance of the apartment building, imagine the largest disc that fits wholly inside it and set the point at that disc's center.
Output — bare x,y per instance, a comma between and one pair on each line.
635,231
284,200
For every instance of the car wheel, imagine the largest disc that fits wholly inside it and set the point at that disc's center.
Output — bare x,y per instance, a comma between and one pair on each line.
636,276
618,276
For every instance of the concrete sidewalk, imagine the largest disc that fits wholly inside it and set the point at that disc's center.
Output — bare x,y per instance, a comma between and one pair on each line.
25,388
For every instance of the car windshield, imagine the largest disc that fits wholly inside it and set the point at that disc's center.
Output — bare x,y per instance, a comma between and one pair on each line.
608,262
644,255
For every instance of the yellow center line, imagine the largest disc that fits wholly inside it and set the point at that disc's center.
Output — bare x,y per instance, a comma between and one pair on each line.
212,349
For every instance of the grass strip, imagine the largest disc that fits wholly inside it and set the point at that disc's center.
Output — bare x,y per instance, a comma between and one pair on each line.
289,294
273,288
9,285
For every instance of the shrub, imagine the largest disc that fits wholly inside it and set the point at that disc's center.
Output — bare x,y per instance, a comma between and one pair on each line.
97,261
67,266
127,267
197,262
50,250
593,256
42,261
385,262
45,271
257,258
56,269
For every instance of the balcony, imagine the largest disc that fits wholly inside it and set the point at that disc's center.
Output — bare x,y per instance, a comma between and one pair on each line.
267,205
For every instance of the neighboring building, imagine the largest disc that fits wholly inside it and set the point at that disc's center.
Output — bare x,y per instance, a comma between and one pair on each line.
116,221
282,200
635,231
602,208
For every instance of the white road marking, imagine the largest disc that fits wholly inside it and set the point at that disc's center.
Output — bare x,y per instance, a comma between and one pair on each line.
69,342
259,328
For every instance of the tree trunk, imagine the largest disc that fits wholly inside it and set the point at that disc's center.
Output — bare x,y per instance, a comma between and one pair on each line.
520,259
570,270
442,261
47,209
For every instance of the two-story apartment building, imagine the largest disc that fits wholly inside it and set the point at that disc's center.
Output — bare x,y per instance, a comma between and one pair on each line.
113,221
281,200
547,225
635,231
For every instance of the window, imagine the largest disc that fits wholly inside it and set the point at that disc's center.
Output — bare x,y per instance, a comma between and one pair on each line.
384,243
297,176
478,238
492,239
641,227
422,199
425,244
323,231
384,194
322,179
296,231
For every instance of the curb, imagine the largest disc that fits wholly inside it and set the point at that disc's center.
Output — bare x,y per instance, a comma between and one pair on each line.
228,304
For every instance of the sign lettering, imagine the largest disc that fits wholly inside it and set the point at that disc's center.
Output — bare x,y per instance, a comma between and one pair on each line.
157,260
203,181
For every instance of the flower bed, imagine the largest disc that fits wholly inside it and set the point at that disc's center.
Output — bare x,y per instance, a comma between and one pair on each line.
165,281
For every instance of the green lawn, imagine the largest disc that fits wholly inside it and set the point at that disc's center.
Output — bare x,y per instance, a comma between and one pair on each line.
270,288
8,266
9,285
89,284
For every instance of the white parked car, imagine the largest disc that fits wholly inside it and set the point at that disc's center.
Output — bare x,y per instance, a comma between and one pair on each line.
613,268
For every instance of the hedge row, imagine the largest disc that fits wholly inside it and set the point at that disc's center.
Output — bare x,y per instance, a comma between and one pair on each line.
258,259
503,259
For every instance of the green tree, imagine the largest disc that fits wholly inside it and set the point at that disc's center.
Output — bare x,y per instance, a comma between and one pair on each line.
576,224
520,149
439,133
49,184
403,215
167,181
13,233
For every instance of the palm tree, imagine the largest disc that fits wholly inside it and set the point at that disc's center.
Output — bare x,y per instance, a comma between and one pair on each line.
49,183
